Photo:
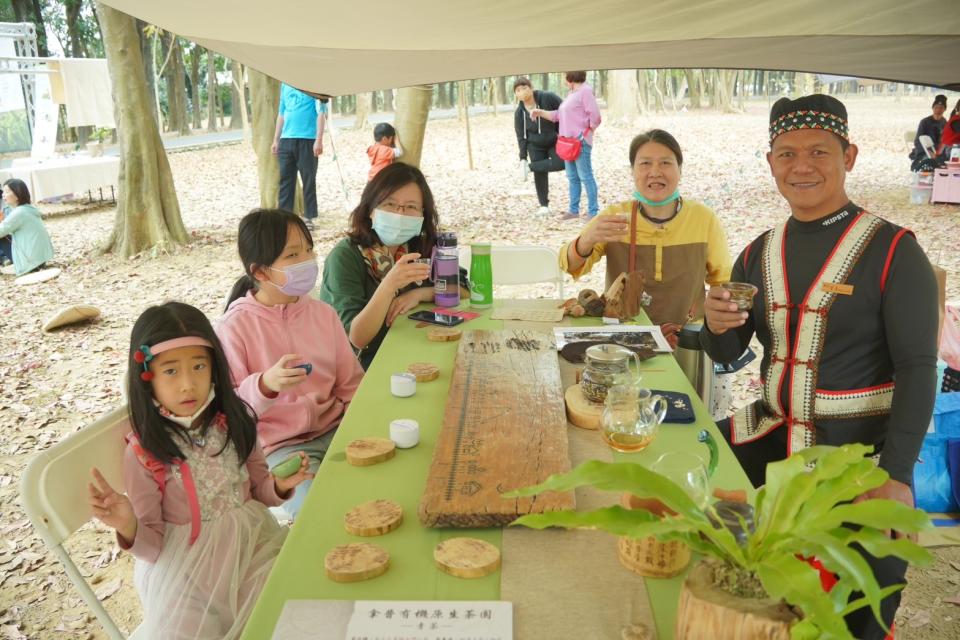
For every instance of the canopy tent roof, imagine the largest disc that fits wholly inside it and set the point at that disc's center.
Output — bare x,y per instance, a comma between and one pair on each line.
339,48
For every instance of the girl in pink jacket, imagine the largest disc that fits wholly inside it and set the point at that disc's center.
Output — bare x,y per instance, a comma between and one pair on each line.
289,355
196,481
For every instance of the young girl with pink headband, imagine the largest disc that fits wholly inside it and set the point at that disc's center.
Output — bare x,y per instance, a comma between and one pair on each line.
197,486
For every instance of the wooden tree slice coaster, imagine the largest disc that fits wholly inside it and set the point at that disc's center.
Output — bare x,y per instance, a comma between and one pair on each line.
364,452
424,371
580,411
443,334
466,557
373,518
356,561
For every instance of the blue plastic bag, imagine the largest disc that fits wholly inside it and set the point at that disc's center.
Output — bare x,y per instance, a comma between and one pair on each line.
932,485
946,414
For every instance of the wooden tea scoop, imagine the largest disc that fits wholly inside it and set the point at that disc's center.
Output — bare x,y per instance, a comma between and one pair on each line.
443,334
356,561
424,371
466,557
373,518
364,452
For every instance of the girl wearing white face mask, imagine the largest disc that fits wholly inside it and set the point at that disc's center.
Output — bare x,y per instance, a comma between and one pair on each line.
289,356
372,277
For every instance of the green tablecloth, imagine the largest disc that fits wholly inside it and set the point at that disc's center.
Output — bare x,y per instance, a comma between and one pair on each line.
299,572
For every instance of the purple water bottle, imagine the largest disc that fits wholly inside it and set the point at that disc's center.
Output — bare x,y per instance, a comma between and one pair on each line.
446,271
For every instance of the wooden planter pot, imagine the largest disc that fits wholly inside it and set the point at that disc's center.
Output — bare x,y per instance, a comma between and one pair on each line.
648,556
705,611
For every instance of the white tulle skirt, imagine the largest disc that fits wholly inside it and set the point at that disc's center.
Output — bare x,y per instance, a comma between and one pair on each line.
208,589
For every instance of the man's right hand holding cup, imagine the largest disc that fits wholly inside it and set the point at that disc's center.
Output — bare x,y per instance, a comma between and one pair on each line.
721,313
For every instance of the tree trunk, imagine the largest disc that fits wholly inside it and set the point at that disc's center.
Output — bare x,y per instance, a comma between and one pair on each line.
652,83
195,85
75,44
693,86
178,72
173,75
544,81
363,112
211,91
265,103
148,214
725,81
388,99
413,107
240,99
29,11
443,97
236,119
705,611
502,90
623,95
466,117
146,55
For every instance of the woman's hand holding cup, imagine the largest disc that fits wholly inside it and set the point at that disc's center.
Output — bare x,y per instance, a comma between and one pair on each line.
603,229
406,271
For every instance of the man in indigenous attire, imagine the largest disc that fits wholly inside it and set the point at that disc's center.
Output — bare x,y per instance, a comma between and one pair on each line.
846,311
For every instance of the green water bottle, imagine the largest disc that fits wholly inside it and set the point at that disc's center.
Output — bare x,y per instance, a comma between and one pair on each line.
481,276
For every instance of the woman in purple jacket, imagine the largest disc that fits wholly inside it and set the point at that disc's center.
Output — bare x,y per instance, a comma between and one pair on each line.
578,117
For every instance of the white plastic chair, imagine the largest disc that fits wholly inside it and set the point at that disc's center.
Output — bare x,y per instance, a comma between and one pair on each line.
53,493
521,264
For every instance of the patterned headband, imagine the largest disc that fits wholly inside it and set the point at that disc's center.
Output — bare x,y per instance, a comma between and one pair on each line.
145,353
797,120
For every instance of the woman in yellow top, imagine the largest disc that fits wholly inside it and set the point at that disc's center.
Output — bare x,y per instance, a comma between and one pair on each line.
680,243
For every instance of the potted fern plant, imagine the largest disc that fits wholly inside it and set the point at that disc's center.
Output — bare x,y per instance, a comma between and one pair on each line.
754,580
95,143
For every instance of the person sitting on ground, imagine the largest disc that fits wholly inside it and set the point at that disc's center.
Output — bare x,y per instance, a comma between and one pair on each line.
194,515
31,247
680,243
373,275
289,356
931,126
385,149
537,139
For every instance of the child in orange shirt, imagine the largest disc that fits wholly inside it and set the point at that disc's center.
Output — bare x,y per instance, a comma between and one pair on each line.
386,149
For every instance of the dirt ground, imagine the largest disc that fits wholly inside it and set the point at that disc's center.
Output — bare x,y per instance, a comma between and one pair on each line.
52,385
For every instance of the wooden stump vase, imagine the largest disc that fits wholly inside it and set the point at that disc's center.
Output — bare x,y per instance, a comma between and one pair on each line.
705,611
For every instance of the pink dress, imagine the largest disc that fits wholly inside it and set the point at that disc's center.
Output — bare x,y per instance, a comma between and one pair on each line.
206,589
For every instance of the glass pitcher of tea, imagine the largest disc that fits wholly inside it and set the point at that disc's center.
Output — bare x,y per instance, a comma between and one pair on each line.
631,417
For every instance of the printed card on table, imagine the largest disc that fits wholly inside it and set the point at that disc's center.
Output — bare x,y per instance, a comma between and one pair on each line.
395,620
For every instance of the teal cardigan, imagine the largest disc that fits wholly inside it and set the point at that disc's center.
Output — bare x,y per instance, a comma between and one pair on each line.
31,242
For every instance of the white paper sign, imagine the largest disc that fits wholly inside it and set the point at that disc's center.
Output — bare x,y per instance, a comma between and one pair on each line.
395,620
45,119
430,620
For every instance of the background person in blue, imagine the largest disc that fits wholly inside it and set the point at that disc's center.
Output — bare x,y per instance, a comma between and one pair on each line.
20,220
297,143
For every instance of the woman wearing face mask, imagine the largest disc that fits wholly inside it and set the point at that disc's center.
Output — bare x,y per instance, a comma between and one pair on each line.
680,243
371,277
289,357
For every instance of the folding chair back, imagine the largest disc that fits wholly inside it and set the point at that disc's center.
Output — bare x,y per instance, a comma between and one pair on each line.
53,492
521,264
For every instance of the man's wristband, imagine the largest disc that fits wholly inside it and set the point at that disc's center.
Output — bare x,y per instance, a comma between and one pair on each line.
576,248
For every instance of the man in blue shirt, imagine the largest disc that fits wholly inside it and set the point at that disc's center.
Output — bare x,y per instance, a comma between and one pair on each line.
297,143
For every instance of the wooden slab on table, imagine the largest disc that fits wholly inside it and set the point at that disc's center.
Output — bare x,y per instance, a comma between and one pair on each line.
505,427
